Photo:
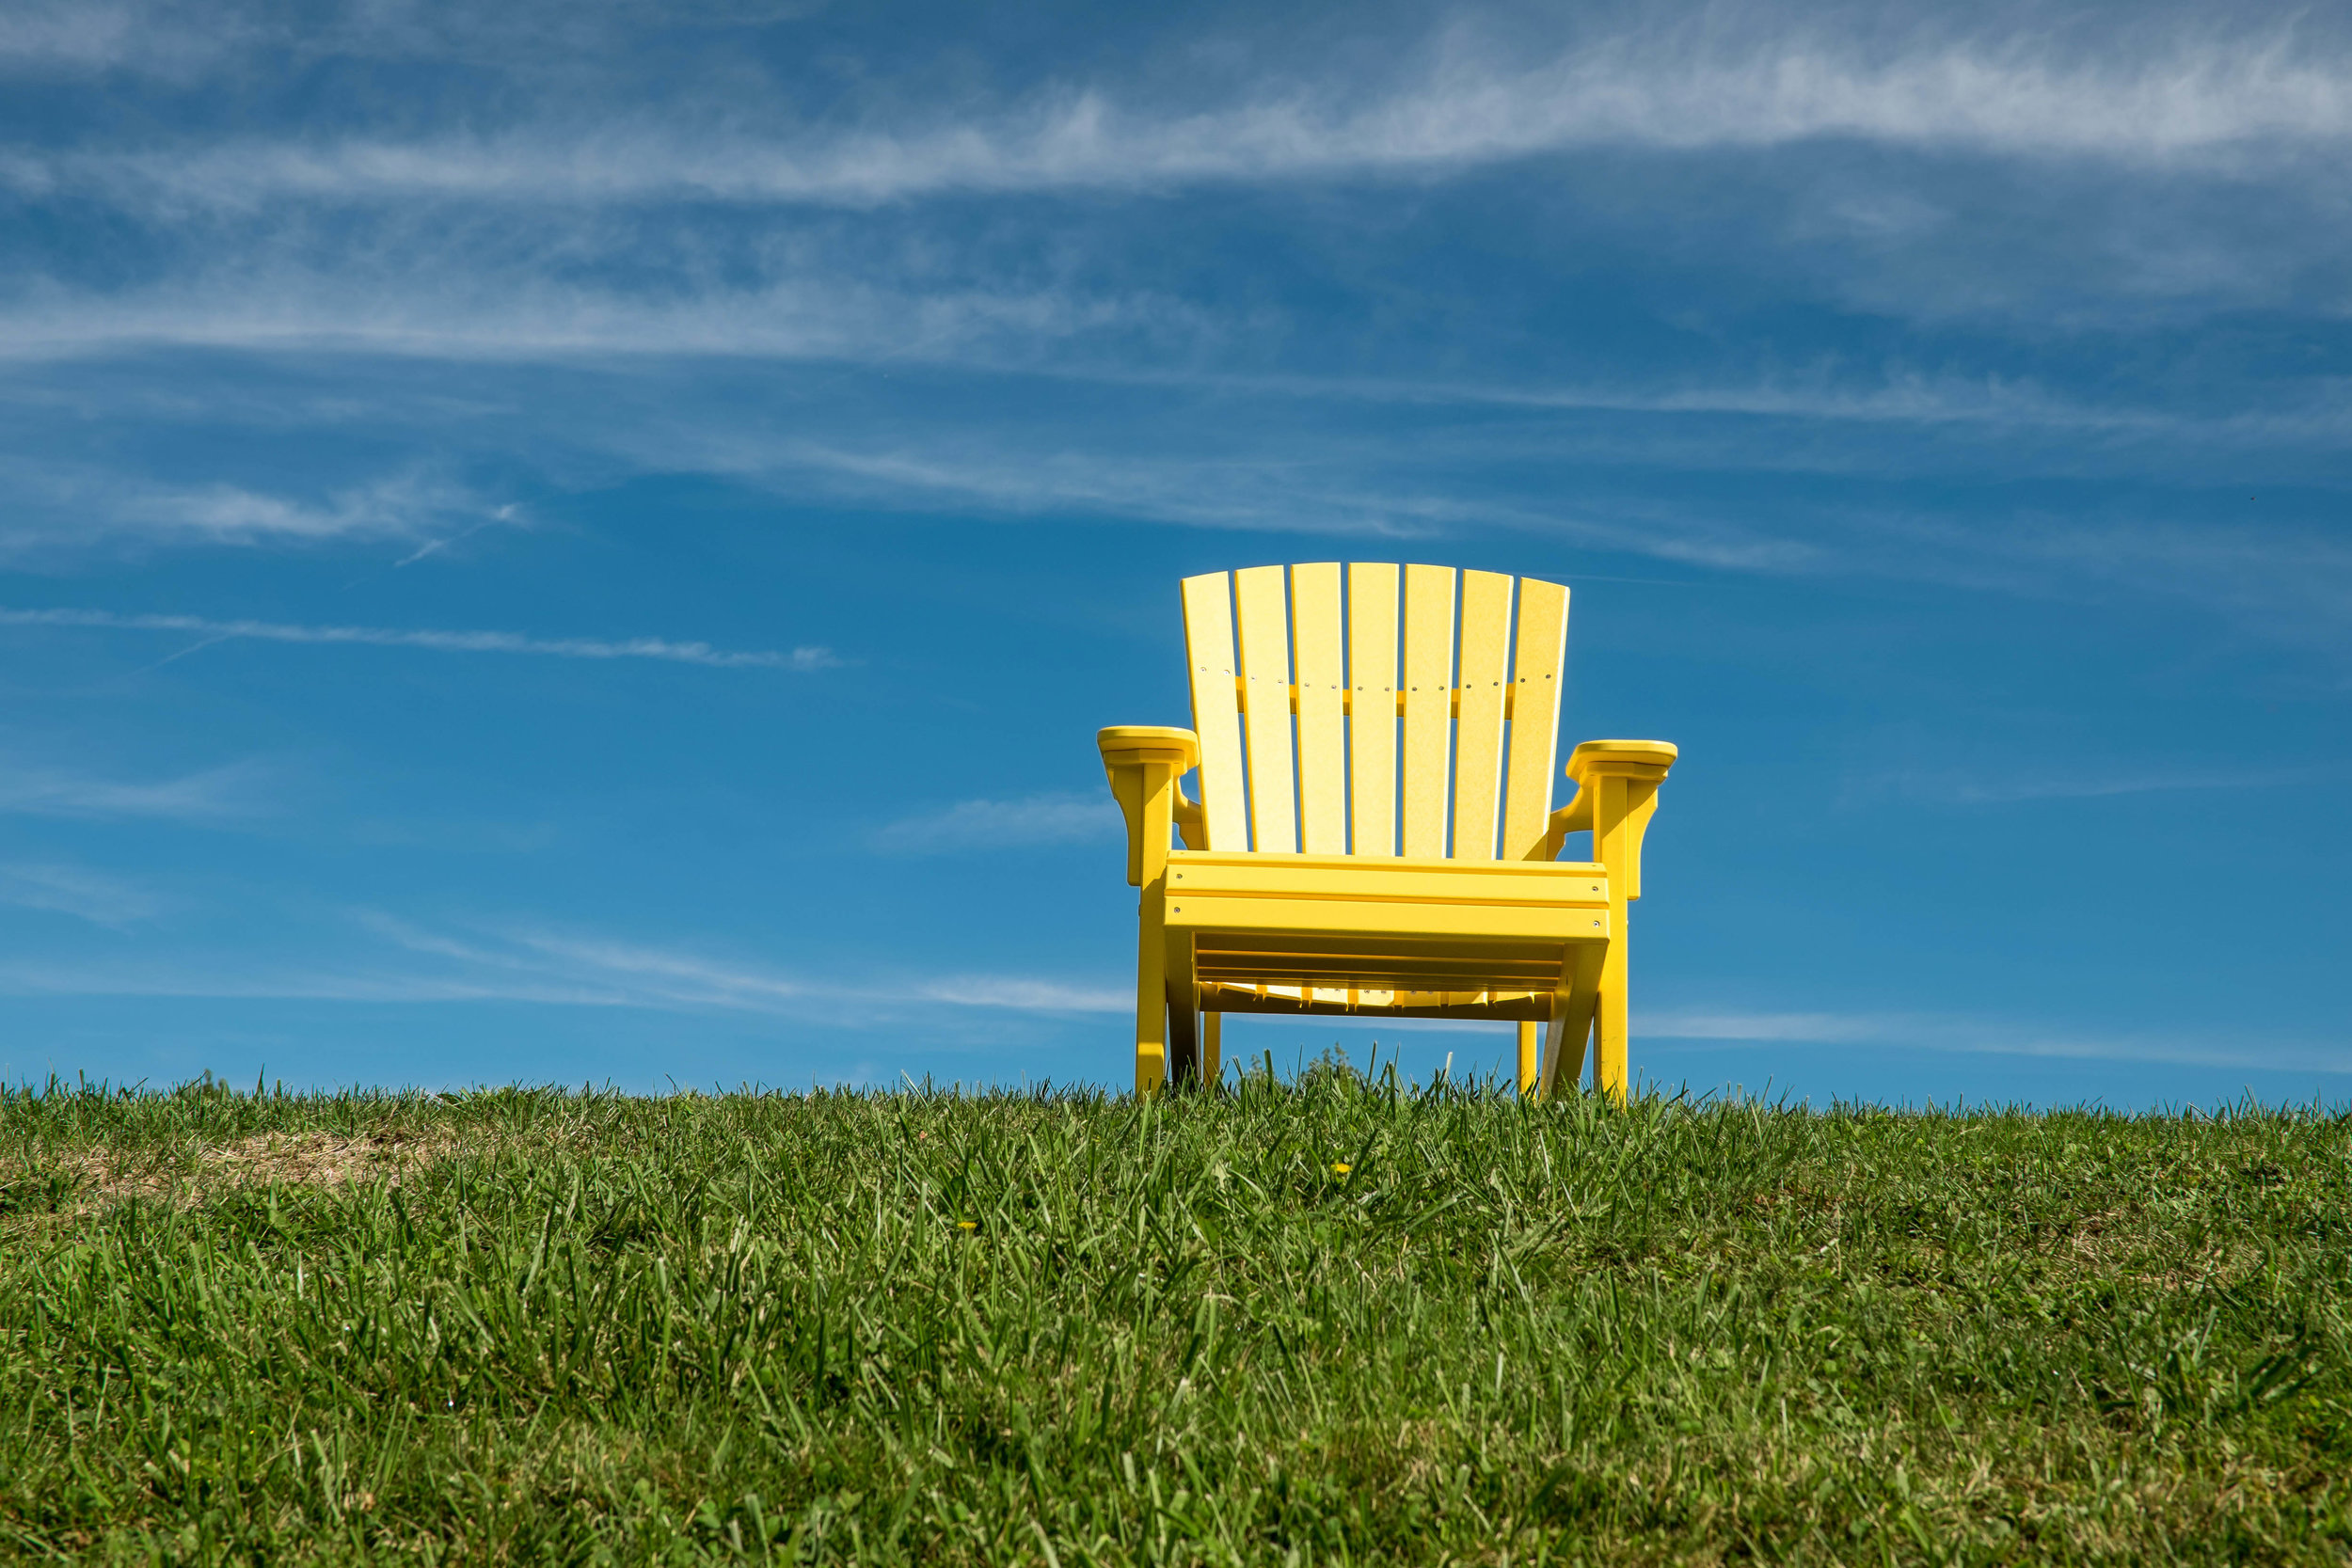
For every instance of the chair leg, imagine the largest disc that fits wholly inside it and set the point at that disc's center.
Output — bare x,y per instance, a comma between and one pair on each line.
1571,1022
1211,1052
1184,1036
1527,1057
1608,1024
1621,813
1151,999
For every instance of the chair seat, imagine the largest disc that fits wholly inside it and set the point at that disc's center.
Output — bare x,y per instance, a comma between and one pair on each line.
1393,937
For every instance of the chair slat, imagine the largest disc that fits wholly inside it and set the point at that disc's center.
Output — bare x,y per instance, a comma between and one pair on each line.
1371,729
1428,706
1536,679
1216,710
1262,616
1485,638
1322,709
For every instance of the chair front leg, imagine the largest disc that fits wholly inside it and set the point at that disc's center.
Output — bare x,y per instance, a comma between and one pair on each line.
1610,1034
1618,783
1151,994
1147,775
1621,813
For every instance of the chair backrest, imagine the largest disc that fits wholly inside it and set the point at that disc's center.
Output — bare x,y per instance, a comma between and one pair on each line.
1338,716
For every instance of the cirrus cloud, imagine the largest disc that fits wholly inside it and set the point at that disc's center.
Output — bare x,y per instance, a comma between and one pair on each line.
801,658
1052,817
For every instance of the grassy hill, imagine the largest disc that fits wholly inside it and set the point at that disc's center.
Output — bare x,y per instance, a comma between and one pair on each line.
1335,1321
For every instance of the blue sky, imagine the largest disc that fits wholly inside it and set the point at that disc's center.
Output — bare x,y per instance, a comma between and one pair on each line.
589,542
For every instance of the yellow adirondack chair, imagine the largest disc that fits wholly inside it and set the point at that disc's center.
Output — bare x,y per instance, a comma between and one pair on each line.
1333,865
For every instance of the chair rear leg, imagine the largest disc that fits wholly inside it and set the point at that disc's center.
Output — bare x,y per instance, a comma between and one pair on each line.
1212,1048
1527,1063
1184,1036
1571,1021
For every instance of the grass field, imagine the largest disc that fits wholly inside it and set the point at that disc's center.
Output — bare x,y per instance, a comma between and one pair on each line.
1335,1321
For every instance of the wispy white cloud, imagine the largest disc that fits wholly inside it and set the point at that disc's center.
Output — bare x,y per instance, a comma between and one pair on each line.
261,979
2279,583
1900,396
68,34
1477,100
515,304
77,891
1028,996
1948,1033
1762,1027
1363,488
2000,784
959,472
620,972
804,658
263,271
232,513
666,976
2291,584
64,505
45,36
167,38
1053,818
213,795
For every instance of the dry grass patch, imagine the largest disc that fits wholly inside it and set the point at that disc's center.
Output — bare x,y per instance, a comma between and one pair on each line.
321,1159
103,1178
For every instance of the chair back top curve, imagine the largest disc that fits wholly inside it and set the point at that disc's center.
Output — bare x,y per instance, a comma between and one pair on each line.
1376,709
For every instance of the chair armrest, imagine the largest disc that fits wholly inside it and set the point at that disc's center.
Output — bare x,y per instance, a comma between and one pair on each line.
1642,764
1623,756
1143,762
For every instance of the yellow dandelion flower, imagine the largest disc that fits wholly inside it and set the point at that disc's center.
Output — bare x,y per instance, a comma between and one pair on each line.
967,1224
1340,1169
